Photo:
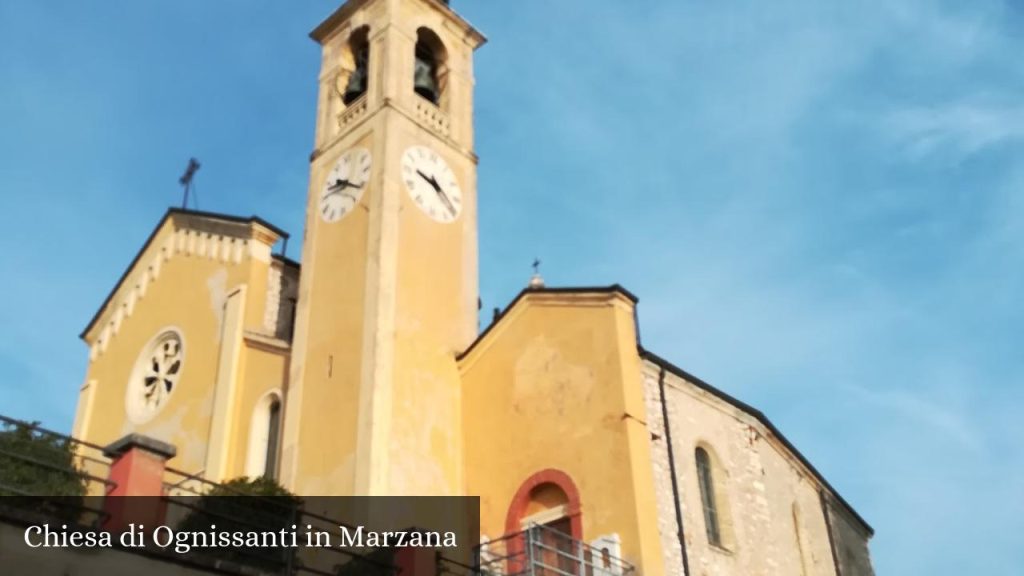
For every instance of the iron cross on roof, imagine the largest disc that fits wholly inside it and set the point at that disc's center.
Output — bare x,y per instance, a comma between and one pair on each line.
186,180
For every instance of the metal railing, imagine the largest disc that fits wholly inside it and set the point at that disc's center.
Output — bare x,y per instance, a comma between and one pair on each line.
195,502
545,551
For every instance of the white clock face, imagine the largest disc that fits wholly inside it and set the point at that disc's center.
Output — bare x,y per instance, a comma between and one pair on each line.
345,184
431,184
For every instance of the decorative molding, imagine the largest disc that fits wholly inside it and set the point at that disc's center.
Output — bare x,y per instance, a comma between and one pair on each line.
433,118
353,113
220,241
255,338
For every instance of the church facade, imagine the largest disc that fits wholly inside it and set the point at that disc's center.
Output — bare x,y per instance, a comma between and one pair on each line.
362,371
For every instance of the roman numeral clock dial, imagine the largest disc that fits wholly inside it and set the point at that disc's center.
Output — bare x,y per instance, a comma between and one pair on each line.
345,184
431,184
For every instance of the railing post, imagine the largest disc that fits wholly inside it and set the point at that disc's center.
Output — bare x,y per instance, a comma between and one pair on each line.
136,469
416,562
529,548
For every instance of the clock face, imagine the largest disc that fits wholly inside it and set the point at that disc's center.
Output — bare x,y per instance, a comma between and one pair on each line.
431,184
345,184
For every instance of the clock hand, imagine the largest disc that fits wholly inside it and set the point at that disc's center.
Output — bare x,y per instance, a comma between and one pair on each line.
444,198
440,193
340,184
339,188
347,184
448,203
429,179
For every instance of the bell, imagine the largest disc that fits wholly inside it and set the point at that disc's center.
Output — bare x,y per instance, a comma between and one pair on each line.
357,80
425,75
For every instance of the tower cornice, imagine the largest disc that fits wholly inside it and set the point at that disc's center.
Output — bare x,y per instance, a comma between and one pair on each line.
326,28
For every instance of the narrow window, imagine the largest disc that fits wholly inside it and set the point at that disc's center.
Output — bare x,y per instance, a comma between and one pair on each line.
707,497
273,434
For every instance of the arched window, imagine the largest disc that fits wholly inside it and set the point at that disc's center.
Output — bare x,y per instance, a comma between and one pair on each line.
265,437
359,78
430,72
273,439
707,497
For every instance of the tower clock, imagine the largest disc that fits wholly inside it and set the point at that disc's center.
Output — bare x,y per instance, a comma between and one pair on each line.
388,293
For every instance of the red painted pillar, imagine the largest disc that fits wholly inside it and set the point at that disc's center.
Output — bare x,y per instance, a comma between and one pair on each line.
137,469
416,562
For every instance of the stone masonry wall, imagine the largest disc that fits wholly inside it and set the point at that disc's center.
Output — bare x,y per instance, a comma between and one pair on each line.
850,542
769,506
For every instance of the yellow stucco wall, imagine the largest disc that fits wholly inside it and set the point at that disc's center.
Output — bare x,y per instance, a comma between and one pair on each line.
556,385
323,405
182,280
388,296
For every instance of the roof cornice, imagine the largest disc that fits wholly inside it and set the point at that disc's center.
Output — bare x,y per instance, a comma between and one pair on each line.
260,230
613,289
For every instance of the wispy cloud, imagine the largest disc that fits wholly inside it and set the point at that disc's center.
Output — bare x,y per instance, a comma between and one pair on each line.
957,130
949,421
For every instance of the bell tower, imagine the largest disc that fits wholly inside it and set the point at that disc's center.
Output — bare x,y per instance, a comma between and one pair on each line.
388,291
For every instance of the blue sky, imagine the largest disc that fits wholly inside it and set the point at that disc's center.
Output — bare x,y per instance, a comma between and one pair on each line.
819,204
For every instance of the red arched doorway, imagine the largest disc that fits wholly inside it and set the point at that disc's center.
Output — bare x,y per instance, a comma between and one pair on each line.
548,499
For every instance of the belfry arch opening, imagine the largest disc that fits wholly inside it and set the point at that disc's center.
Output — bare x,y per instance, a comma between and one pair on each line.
358,64
430,71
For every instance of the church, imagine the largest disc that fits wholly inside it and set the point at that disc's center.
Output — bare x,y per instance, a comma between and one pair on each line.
362,371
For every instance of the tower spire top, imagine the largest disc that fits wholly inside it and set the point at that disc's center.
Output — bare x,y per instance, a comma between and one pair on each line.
536,281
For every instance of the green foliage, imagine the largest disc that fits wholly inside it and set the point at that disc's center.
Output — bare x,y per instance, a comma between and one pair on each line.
376,563
34,463
261,486
244,505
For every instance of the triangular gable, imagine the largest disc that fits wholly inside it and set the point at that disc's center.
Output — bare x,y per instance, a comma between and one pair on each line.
204,234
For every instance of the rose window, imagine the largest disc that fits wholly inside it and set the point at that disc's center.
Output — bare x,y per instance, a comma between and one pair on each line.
155,376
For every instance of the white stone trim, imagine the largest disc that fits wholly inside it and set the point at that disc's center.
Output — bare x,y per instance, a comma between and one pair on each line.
226,385
545,516
183,241
613,544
